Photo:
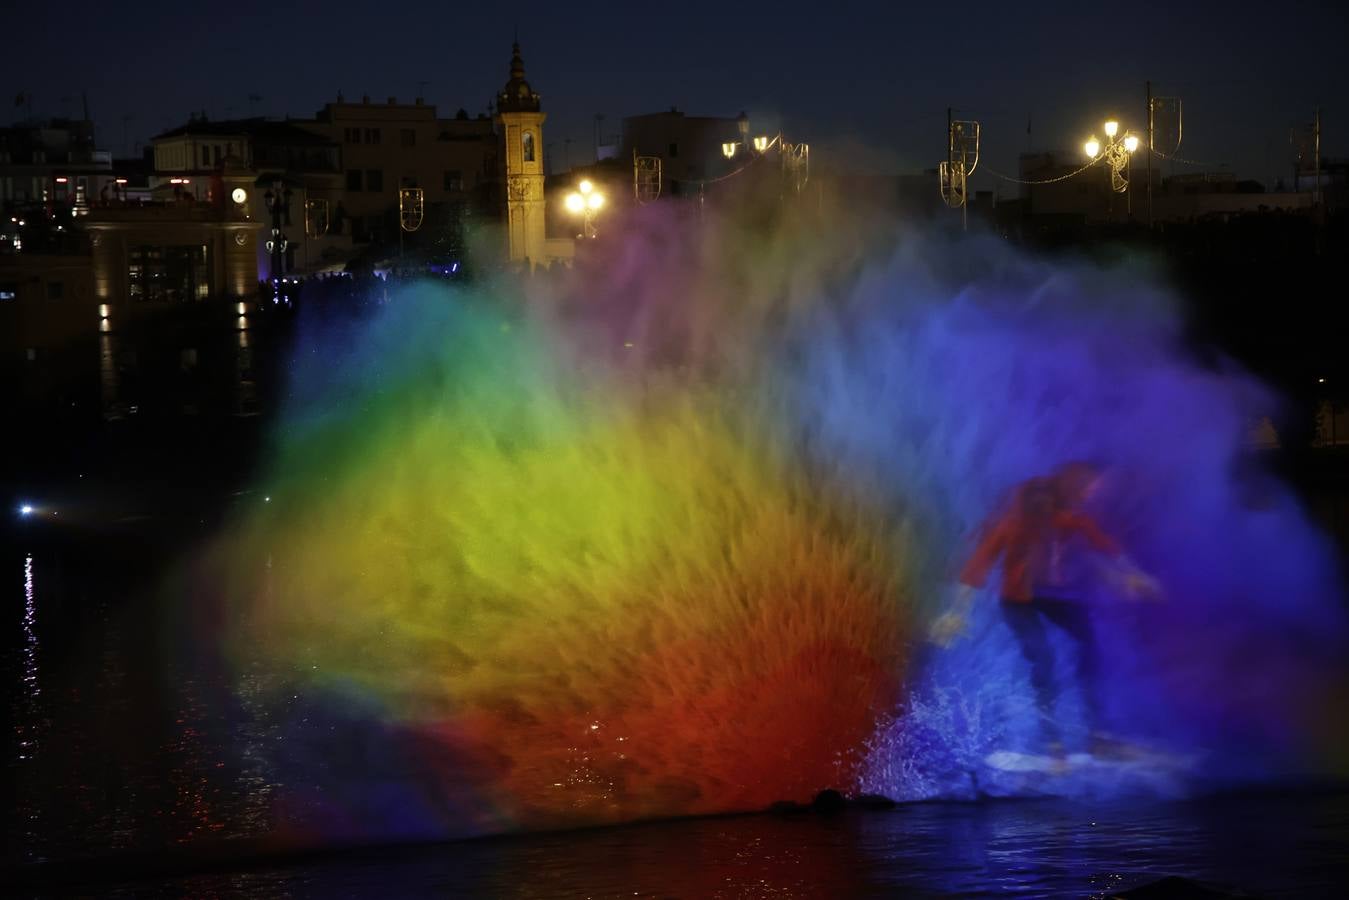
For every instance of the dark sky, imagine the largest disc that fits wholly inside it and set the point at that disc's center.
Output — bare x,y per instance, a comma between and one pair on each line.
865,83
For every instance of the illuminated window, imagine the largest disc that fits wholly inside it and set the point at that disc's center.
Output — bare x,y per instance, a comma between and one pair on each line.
174,274
528,146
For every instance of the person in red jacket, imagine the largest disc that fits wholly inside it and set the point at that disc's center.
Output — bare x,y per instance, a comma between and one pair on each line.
1051,551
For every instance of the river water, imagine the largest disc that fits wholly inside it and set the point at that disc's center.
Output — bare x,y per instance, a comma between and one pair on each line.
118,758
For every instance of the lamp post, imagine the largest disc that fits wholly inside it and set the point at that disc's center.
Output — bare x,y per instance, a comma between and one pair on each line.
585,201
1117,152
277,200
760,142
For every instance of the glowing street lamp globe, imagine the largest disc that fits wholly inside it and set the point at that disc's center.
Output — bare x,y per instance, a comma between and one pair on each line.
585,202
761,143
728,149
1092,147
1131,142
1111,128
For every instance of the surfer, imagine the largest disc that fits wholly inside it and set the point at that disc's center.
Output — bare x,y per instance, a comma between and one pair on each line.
1048,546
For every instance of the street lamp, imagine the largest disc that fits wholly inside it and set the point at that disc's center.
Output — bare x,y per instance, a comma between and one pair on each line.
277,200
585,201
1116,154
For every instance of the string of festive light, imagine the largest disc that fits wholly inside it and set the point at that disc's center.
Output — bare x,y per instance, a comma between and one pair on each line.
703,182
994,172
1188,162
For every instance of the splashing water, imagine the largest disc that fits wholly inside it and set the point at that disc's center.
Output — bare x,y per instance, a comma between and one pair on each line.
664,534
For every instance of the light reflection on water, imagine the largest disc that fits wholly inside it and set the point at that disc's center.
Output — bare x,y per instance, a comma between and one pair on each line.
124,750
116,747
32,689
1034,848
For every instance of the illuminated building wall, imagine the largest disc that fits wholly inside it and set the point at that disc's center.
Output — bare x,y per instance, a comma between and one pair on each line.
386,146
520,122
146,257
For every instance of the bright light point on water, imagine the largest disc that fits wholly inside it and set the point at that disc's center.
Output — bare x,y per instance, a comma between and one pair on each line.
1092,147
585,186
595,201
1131,143
1111,128
25,510
575,203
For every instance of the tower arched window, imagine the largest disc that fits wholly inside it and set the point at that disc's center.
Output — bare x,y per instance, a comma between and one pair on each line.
528,146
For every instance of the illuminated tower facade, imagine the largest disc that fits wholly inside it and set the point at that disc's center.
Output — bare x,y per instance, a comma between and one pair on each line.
520,121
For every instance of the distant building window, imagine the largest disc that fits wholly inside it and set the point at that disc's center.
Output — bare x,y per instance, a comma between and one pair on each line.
55,290
372,135
529,146
674,151
374,179
454,181
409,181
206,156
353,179
353,135
408,137
173,274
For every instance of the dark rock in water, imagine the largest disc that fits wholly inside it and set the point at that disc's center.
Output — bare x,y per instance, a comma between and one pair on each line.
1173,887
873,801
831,801
828,801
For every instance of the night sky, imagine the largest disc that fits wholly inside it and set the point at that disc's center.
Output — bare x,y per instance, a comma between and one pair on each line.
866,84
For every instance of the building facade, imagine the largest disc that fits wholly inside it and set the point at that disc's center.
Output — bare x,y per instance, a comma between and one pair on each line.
52,168
388,146
689,147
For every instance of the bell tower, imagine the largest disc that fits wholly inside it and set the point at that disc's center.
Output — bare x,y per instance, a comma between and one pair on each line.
520,120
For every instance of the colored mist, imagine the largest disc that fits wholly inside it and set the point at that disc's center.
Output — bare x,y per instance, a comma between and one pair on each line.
664,534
